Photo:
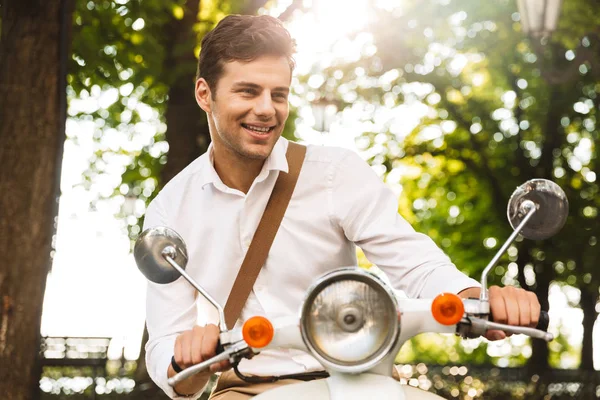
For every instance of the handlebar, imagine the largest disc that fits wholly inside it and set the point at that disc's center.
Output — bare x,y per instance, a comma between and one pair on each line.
479,326
531,332
470,326
231,354
194,369
544,321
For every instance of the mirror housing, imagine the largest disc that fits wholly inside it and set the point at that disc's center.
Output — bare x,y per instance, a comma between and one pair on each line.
150,257
552,208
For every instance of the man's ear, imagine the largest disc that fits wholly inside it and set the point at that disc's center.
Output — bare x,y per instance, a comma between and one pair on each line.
203,94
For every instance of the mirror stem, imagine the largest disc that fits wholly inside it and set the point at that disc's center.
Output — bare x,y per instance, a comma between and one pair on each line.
169,254
529,208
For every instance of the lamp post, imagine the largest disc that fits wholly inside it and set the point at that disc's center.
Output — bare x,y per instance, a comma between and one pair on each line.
539,18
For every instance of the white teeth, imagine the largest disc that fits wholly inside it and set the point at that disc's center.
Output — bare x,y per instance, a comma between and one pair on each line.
258,129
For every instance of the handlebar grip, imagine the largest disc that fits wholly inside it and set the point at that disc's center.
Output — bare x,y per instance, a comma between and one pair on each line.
544,321
178,369
220,348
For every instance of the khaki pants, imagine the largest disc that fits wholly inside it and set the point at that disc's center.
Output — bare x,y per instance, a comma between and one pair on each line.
230,387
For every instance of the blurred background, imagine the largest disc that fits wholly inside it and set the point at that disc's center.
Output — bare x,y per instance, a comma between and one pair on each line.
454,103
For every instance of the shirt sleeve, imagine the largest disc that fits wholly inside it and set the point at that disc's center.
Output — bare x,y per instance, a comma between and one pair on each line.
170,310
367,211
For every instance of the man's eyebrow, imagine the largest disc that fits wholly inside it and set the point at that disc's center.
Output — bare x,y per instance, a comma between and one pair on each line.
246,84
282,89
255,86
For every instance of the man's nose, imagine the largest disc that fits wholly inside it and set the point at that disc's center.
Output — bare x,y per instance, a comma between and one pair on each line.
264,106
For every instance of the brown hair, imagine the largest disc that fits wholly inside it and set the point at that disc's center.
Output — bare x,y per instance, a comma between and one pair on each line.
242,38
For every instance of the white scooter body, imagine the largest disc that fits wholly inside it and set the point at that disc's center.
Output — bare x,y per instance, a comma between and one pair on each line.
536,210
377,383
349,387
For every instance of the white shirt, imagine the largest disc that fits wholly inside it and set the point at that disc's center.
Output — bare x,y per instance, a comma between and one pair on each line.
339,202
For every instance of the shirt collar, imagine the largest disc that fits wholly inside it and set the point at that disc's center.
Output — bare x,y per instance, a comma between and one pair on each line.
277,161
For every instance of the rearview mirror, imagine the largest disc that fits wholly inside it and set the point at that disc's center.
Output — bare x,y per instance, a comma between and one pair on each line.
150,258
552,208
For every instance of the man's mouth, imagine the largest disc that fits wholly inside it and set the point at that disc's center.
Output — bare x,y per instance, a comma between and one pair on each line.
259,130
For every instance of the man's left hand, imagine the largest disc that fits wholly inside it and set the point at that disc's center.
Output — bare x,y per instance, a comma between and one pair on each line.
509,305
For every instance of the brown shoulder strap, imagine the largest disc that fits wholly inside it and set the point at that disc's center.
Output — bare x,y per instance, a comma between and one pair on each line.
265,233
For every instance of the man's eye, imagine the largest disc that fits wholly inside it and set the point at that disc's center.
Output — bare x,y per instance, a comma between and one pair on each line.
248,91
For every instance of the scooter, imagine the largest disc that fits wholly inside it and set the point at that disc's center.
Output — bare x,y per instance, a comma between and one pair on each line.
351,320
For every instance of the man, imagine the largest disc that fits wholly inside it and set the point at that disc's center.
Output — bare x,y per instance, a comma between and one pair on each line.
215,204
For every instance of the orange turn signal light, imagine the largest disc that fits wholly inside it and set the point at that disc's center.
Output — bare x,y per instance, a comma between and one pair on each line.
447,309
258,332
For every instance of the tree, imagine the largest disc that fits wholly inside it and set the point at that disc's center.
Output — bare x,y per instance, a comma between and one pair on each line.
497,108
511,121
33,52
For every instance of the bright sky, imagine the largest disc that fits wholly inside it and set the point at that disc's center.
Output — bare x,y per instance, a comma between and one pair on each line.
95,289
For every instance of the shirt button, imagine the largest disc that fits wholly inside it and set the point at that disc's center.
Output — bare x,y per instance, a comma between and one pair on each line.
247,244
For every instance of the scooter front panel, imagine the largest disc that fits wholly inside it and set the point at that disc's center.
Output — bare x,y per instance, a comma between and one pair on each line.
349,387
313,390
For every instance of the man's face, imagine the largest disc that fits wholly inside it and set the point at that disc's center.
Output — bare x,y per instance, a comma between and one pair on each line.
250,106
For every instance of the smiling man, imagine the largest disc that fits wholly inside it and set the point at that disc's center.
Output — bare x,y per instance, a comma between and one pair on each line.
247,108
215,204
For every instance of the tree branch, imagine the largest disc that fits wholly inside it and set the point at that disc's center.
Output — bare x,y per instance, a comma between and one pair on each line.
252,7
498,194
519,153
551,133
286,15
555,76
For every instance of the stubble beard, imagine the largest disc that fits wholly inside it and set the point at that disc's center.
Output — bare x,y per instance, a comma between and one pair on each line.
237,147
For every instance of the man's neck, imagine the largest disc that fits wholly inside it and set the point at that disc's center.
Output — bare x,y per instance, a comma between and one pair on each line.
235,171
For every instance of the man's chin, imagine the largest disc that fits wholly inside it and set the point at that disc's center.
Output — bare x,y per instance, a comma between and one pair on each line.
256,154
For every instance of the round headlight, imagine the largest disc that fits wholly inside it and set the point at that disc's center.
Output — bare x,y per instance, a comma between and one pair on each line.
350,320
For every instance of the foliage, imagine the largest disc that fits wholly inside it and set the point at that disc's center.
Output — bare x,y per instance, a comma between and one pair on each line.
117,83
496,108
122,54
493,113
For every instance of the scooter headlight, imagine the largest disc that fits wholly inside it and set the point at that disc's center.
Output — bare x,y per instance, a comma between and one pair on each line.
350,320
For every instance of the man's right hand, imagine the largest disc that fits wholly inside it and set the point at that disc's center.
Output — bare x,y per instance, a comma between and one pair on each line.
193,347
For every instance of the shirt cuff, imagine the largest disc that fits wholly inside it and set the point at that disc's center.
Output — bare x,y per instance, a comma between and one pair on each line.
172,393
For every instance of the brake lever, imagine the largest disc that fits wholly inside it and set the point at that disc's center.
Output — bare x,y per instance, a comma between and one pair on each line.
531,332
479,327
234,353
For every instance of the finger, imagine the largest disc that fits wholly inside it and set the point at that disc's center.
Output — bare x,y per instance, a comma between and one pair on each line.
225,365
497,306
524,305
495,335
209,341
186,349
196,344
177,351
512,305
220,367
535,309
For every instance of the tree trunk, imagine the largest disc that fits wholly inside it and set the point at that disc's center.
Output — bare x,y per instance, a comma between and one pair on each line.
538,362
33,52
187,130
187,127
524,258
589,296
543,270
